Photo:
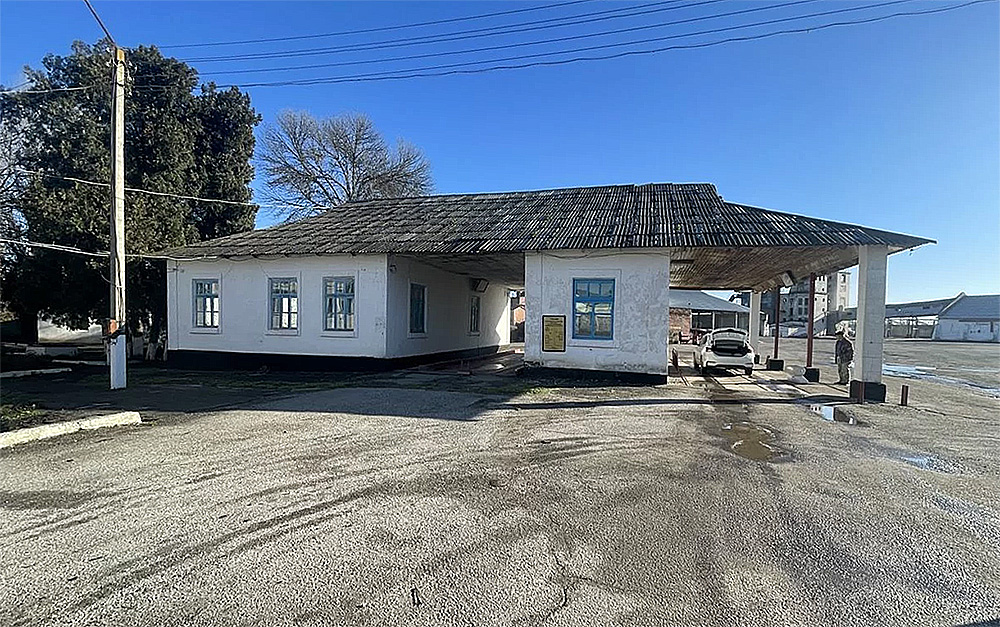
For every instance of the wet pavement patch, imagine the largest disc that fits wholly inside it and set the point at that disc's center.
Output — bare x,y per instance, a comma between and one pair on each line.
929,462
753,441
833,413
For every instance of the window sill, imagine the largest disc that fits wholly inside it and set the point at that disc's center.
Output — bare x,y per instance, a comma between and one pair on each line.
474,333
208,330
282,332
343,334
590,343
416,336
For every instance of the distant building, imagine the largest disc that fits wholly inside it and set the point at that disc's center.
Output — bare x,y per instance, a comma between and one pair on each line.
962,318
915,320
692,309
832,295
970,319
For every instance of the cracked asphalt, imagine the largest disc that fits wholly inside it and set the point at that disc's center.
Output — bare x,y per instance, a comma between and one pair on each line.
569,506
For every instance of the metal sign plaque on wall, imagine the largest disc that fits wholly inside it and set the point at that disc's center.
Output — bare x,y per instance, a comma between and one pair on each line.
554,334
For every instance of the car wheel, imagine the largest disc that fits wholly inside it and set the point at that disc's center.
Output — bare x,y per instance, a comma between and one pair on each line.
749,371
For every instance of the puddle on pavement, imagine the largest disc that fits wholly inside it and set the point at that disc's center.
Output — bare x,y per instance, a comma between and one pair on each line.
926,373
753,441
832,413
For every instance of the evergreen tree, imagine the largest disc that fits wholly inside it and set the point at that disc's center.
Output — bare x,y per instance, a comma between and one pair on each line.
178,139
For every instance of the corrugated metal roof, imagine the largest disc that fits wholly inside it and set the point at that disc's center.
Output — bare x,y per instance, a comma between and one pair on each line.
917,309
985,307
700,301
617,216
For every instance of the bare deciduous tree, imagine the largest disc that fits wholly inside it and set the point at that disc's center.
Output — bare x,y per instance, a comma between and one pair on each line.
314,164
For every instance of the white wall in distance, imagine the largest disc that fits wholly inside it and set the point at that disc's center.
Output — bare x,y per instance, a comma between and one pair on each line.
244,306
967,331
448,311
642,302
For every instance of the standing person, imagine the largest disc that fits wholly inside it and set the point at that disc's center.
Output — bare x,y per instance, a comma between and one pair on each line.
845,355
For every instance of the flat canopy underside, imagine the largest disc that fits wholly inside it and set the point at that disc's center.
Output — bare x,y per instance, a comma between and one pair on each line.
700,268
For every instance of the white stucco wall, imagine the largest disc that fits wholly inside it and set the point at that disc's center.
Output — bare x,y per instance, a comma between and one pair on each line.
967,331
642,301
448,311
244,306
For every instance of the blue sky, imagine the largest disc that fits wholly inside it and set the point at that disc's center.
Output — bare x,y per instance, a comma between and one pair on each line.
893,125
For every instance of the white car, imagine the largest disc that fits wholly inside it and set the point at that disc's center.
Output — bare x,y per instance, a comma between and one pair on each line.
724,348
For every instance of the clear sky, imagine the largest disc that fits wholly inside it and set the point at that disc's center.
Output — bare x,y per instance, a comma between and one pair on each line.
894,124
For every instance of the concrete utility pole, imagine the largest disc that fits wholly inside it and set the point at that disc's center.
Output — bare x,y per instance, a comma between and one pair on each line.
116,327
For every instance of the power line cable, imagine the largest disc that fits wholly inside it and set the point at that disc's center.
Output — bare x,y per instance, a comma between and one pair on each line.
540,42
455,36
74,179
11,92
100,22
376,29
79,251
426,72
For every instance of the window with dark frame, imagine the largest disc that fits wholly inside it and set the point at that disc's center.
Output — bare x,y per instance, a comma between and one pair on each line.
418,305
206,303
338,307
474,304
593,309
284,304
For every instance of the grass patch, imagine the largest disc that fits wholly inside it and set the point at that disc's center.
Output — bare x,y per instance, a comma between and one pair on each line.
18,415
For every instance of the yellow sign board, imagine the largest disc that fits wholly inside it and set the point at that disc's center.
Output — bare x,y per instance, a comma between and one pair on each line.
554,334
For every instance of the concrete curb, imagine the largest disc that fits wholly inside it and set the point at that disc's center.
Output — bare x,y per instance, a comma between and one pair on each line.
27,373
20,436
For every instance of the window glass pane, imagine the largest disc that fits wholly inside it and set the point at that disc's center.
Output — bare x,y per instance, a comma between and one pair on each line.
602,326
593,308
206,301
417,298
474,314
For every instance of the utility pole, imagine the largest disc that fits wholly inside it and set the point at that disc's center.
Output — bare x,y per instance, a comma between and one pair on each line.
116,328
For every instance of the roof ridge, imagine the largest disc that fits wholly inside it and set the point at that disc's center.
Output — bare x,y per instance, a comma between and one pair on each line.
534,191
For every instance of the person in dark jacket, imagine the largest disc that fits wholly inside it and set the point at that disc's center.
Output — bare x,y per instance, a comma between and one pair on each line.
845,355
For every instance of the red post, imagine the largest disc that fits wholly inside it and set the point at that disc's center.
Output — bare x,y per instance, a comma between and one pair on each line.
809,326
777,319
904,396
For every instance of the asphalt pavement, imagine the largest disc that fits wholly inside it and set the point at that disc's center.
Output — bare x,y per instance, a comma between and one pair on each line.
720,500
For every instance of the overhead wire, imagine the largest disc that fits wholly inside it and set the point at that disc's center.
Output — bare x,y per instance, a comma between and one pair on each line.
13,92
74,179
376,29
432,70
493,31
100,22
79,251
520,44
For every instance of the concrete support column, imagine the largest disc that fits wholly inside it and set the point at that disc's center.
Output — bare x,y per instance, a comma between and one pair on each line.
754,327
871,323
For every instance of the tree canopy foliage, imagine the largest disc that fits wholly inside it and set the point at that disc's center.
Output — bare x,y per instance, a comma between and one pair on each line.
178,139
314,164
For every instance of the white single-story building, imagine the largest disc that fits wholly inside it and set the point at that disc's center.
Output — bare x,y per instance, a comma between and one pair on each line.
395,281
970,319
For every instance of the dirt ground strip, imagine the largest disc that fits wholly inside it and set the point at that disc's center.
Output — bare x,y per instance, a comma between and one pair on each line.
718,500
